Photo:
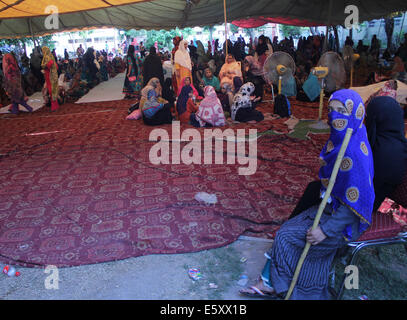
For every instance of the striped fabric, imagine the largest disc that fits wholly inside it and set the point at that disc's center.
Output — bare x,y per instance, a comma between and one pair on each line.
284,255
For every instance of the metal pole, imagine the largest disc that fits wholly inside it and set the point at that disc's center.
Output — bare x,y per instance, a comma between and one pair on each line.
327,26
226,27
31,31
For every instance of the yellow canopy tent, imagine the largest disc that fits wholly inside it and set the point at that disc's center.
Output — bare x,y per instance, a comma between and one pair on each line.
24,18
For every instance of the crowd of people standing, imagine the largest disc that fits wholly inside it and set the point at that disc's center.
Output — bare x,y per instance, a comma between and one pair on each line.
59,79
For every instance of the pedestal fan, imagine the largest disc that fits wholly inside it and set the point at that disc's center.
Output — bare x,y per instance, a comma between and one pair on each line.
278,69
331,74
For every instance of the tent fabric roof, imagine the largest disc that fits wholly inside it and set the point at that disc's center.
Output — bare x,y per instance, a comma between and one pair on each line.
23,18
30,8
260,21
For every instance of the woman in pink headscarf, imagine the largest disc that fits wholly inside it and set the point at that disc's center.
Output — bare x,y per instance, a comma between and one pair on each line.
210,112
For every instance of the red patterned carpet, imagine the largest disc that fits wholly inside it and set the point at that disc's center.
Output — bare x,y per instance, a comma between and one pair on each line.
77,187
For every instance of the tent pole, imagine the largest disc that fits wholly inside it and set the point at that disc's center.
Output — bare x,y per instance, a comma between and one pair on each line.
327,25
226,27
31,31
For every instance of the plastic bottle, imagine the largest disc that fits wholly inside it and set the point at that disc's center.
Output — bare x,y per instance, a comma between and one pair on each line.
10,271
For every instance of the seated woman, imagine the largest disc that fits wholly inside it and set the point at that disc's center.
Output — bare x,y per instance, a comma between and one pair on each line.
209,79
155,110
188,82
398,68
243,108
167,92
385,130
90,68
351,201
237,84
254,73
226,96
210,112
76,88
186,103
230,69
103,68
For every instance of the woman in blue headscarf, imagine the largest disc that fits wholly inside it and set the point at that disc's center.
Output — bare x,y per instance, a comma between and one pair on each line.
346,216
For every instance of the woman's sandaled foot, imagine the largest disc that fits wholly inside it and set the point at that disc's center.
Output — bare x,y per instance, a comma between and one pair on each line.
255,292
258,291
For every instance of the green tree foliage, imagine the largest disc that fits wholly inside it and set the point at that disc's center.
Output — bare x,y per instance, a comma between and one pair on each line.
233,29
162,37
23,42
292,31
209,30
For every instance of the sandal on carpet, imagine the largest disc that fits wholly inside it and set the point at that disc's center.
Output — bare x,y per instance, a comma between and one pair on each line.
255,292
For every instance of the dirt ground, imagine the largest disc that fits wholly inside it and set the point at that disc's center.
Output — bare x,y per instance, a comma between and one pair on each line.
165,277
153,277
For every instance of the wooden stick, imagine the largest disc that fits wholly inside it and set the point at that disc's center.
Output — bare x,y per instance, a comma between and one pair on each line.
321,208
321,104
351,75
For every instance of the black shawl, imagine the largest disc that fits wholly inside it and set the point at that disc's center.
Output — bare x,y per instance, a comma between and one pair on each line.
385,129
153,68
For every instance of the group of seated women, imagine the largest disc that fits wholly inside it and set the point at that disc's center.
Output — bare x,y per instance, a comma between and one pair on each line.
209,104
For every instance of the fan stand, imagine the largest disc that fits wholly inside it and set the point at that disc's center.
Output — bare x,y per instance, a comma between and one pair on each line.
279,84
351,76
355,57
320,124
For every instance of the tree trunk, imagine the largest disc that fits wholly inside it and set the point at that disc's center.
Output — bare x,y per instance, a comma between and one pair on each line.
336,38
211,29
313,32
389,27
325,45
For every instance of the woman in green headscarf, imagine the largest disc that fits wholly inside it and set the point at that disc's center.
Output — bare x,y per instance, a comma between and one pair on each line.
50,68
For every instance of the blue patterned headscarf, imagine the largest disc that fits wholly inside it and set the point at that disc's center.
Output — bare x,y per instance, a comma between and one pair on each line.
354,182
